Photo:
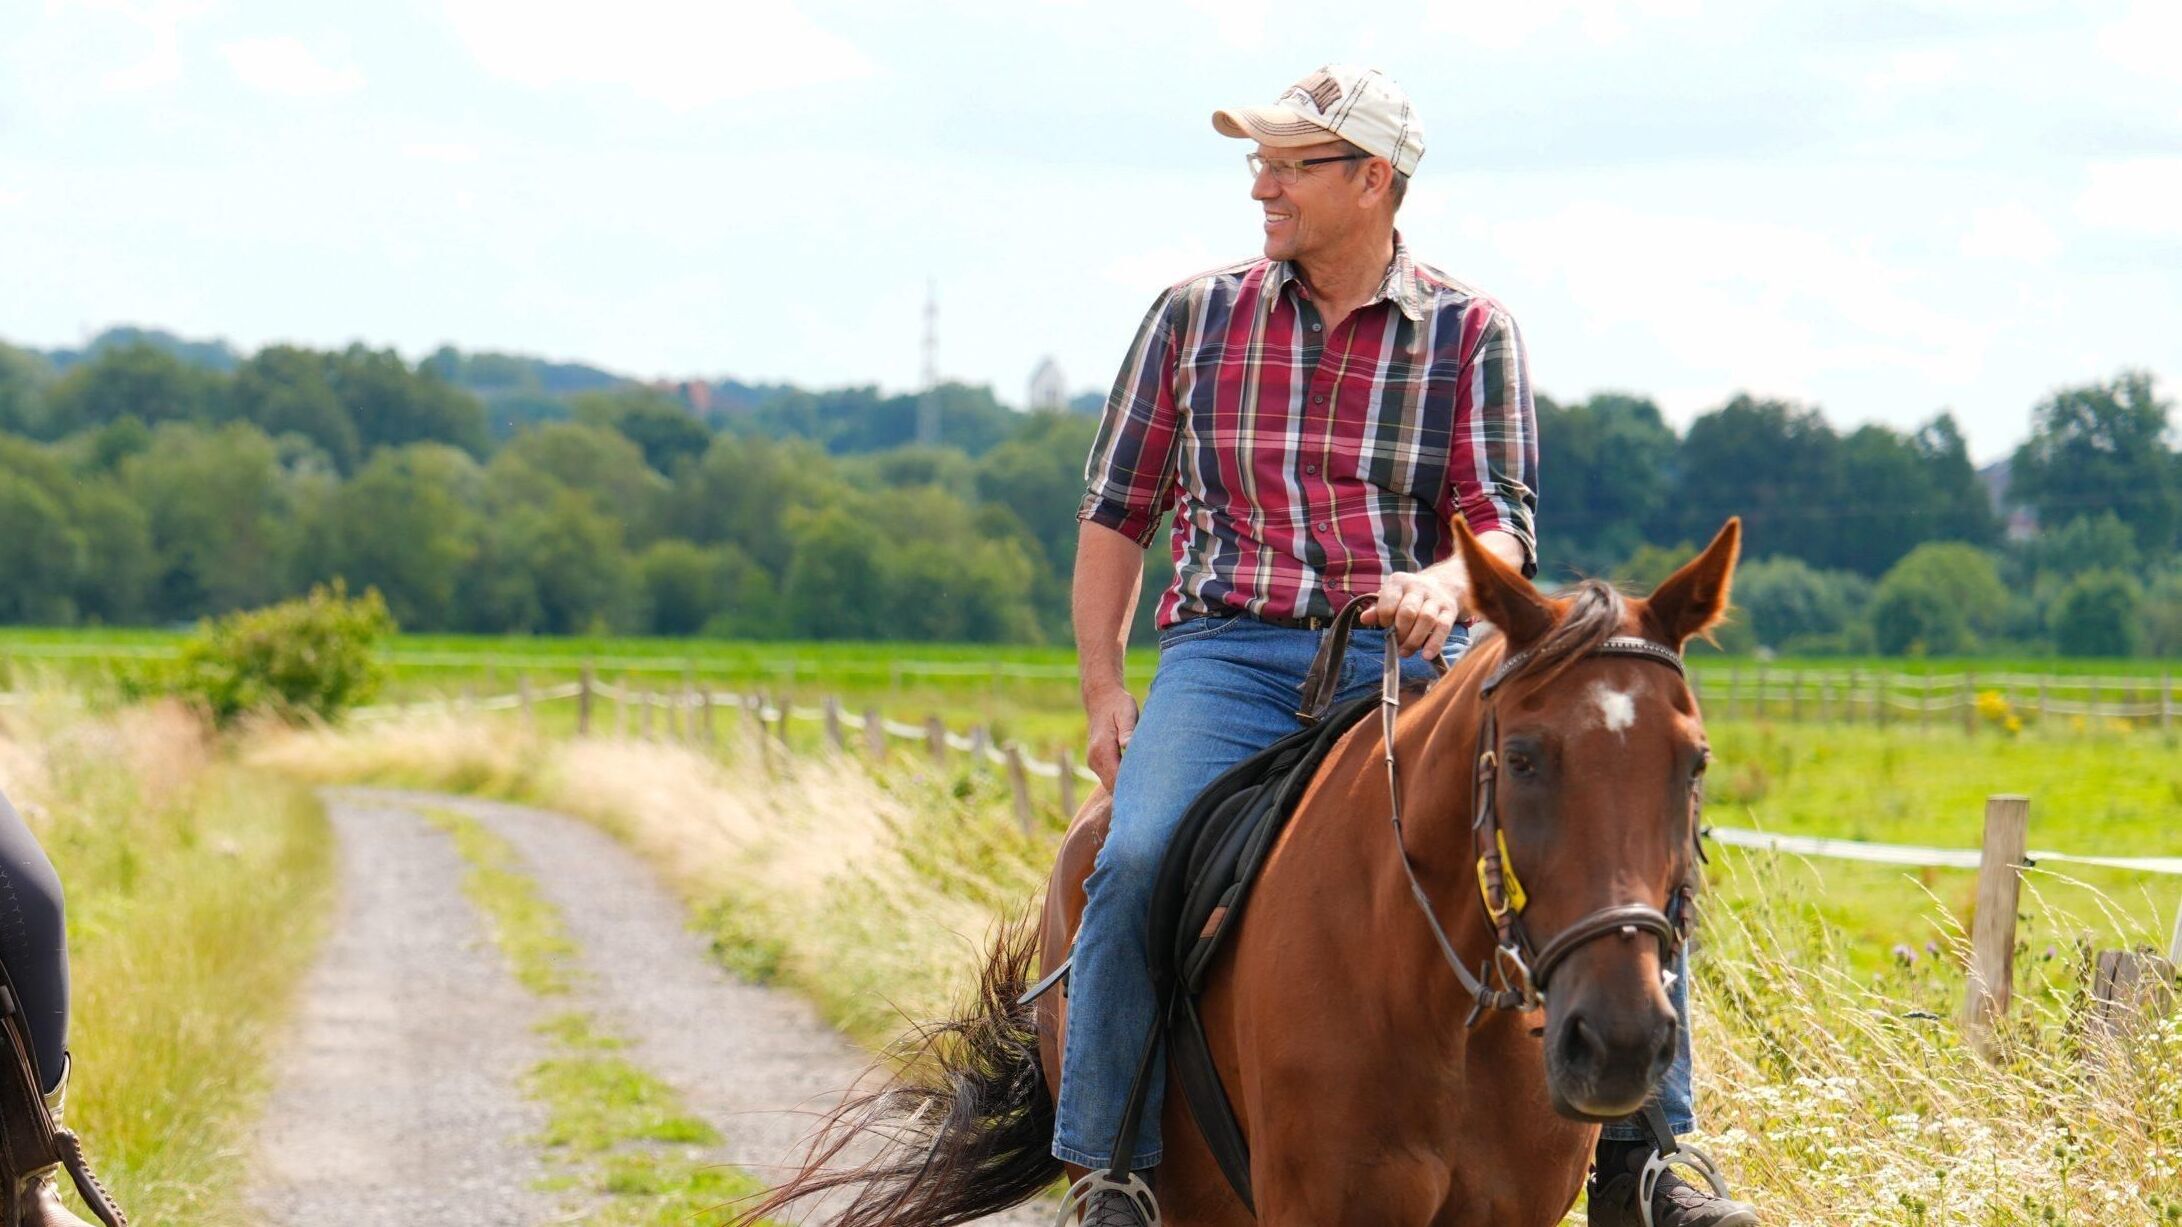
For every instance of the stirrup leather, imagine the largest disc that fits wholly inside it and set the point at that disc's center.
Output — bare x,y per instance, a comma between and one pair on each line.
1131,1186
31,1142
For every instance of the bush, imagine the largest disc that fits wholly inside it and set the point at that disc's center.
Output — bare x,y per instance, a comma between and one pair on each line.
309,657
1938,600
2097,615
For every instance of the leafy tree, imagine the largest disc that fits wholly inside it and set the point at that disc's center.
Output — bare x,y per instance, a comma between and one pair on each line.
391,404
23,376
284,390
1785,600
2098,615
2085,543
598,464
221,515
1937,601
683,586
742,493
407,526
658,424
1650,566
115,586
2162,617
1605,470
1038,474
42,553
552,565
136,380
2099,446
1775,464
834,587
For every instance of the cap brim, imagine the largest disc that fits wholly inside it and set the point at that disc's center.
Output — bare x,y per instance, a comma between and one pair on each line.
1279,127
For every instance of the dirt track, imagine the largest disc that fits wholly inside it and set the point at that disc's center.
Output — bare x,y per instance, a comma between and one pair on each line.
400,1100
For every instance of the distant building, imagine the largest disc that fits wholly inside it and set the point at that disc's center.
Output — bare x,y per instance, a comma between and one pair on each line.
2019,522
1048,389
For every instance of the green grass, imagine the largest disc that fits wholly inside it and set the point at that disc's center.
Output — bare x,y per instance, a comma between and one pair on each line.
626,1151
196,895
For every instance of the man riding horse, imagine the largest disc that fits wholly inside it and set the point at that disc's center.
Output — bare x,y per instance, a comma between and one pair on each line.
1318,416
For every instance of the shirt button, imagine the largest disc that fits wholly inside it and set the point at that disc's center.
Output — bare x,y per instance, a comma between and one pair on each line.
1316,327
1310,468
1322,526
1318,400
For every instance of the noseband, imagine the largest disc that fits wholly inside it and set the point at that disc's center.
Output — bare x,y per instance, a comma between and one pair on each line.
1516,975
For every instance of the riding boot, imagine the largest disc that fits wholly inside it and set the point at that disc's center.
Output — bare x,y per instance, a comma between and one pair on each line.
1675,1201
39,1193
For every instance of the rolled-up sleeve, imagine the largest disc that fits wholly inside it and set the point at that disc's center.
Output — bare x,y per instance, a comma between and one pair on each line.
1129,479
1493,483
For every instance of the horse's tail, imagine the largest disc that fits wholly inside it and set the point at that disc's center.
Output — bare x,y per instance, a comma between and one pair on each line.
963,1131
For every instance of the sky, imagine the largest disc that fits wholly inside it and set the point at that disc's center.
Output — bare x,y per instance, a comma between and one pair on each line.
1885,210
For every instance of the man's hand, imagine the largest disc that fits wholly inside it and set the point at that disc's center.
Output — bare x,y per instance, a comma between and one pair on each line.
1112,716
1421,607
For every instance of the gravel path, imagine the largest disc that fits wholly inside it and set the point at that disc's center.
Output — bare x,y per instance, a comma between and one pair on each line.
755,1062
398,1103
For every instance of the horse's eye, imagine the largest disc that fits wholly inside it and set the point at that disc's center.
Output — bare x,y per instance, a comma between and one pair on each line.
1704,760
1521,764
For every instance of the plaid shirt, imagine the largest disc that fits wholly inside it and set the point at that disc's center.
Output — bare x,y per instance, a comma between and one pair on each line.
1310,465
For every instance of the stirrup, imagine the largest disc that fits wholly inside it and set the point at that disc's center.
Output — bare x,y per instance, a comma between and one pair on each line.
1687,1156
1102,1181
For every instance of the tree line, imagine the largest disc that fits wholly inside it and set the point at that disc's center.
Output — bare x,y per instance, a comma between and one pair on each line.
145,482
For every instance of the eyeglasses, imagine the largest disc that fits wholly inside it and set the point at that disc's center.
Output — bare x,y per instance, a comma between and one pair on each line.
1288,170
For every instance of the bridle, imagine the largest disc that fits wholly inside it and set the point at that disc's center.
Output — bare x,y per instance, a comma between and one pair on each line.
1520,968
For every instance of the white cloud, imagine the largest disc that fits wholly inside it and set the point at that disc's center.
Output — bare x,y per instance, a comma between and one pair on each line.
1498,26
1919,69
285,66
160,21
450,152
1241,23
2144,39
678,54
1758,305
2137,194
2011,232
12,196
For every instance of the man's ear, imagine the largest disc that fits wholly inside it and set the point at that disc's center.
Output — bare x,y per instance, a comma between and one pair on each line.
1695,598
1499,593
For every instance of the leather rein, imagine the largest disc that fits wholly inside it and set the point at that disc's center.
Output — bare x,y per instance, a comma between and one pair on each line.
1516,974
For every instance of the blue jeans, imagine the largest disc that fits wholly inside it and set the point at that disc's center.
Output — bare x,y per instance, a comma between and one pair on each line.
1226,688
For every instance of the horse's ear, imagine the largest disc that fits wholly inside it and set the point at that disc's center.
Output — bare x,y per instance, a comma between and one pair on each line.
1694,599
1499,593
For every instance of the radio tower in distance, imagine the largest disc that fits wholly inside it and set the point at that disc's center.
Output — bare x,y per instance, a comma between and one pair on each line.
928,402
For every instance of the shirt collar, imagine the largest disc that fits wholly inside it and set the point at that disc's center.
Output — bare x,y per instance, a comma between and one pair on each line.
1400,283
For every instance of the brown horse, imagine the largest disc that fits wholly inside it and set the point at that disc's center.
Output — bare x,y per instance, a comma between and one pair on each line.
1336,1021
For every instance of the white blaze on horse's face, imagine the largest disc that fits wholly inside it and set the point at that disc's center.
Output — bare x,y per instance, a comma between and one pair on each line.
1617,708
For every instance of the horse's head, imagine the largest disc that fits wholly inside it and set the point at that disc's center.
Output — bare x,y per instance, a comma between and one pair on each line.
1597,752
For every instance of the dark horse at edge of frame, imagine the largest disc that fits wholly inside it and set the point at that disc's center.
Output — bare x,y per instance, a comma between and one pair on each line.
1335,1021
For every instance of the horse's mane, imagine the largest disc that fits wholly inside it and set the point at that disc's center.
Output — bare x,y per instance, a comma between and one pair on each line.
1592,612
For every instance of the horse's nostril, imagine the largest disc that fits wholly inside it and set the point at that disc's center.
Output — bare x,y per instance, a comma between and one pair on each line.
1580,1045
1664,1057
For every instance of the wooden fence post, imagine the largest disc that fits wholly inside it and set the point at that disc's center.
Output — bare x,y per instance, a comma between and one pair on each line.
1067,760
522,698
1734,690
583,701
621,707
2166,709
2129,987
704,715
1969,704
1795,695
833,723
1019,784
935,739
644,714
1992,935
874,736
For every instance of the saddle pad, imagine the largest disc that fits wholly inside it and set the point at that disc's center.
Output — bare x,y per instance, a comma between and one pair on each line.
1222,843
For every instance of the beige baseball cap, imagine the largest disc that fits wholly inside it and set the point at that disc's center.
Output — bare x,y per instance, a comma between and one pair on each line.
1362,106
